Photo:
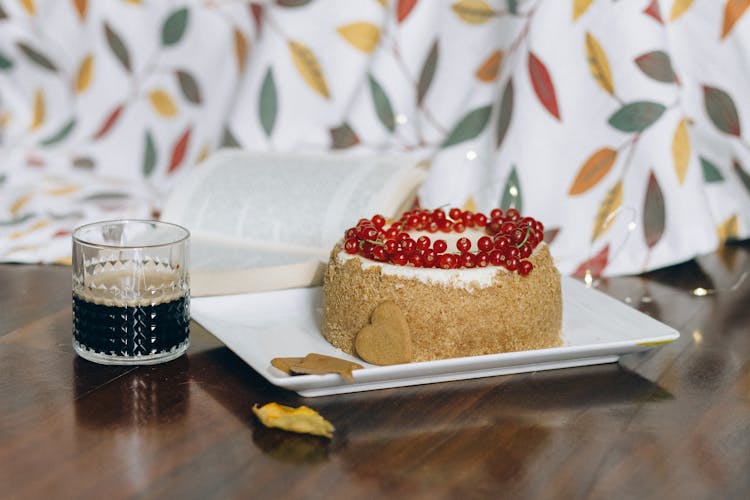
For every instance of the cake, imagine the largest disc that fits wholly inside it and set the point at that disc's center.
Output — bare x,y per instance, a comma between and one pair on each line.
460,284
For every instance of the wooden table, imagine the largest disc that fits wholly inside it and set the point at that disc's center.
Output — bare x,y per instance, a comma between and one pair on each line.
671,423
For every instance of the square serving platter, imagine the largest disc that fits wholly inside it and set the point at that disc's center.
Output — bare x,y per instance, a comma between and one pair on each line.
258,327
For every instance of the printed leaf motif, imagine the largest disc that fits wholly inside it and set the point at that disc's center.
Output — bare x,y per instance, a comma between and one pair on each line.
361,35
595,265
657,65
599,64
228,140
473,11
711,172
471,125
679,7
593,170
654,216
5,63
512,192
174,27
729,229
29,6
109,122
308,67
3,15
60,134
383,107
292,3
733,11
84,162
84,75
36,57
543,86
256,10
178,151
580,7
19,203
744,176
513,7
117,46
653,11
343,137
681,150
38,110
489,69
268,103
149,155
240,49
403,9
81,6
189,87
608,210
721,110
636,116
162,103
470,204
427,73
506,112
550,234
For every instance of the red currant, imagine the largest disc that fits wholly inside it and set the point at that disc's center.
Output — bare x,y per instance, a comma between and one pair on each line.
502,243
400,259
423,242
455,213
440,246
511,263
463,244
409,246
525,251
483,259
512,252
525,268
351,245
429,257
378,253
378,220
496,213
480,220
507,227
512,214
467,260
415,260
438,215
496,257
485,243
391,247
446,261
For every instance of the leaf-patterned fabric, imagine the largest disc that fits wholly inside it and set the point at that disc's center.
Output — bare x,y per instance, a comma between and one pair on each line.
620,124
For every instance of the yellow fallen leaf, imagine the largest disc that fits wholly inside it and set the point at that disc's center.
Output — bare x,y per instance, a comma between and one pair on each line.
302,419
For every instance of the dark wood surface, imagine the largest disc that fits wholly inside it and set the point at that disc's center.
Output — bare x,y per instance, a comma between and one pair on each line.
671,423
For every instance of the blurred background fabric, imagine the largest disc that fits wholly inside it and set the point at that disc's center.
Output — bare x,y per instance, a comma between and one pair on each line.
622,125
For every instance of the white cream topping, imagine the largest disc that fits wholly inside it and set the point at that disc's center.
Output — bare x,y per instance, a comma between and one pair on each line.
468,279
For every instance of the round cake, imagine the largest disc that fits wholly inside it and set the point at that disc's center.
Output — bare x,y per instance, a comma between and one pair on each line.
439,284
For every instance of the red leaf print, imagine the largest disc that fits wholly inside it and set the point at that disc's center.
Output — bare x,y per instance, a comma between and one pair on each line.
256,9
653,11
109,122
178,152
543,86
403,9
595,264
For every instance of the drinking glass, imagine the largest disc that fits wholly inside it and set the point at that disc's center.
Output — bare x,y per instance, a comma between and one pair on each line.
131,291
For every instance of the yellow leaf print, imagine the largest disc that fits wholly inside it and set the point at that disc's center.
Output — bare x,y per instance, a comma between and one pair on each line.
678,8
38,110
681,150
20,203
240,49
487,72
470,204
162,103
473,11
203,154
308,67
363,36
29,6
607,212
728,229
5,117
62,191
598,64
34,227
580,7
85,70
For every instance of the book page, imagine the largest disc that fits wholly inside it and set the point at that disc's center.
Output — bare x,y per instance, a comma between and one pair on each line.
250,210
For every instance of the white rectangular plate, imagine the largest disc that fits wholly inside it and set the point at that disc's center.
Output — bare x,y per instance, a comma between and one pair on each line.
261,326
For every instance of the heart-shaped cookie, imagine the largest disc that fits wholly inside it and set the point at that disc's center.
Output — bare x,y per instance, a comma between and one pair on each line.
386,340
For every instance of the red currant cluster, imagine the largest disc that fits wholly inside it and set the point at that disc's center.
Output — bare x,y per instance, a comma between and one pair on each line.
509,239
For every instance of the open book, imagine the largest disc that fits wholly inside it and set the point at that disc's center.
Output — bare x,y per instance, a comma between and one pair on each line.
266,221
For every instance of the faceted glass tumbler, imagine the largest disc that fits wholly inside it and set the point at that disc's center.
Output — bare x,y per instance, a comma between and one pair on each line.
131,291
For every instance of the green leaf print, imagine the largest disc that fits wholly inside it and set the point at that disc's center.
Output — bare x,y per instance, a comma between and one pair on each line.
744,176
721,110
343,137
60,134
470,126
506,111
711,172
189,87
36,57
427,73
117,46
511,195
636,116
654,214
149,155
174,27
5,63
268,103
383,106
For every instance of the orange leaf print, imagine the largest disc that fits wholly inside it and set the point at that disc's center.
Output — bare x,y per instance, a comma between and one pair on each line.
29,6
594,266
580,7
593,170
81,7
179,150
733,11
162,103
109,122
489,69
85,72
240,49
728,229
543,86
403,8
38,110
308,67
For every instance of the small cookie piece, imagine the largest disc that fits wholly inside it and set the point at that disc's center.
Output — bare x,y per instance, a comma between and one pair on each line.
285,364
317,364
386,340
